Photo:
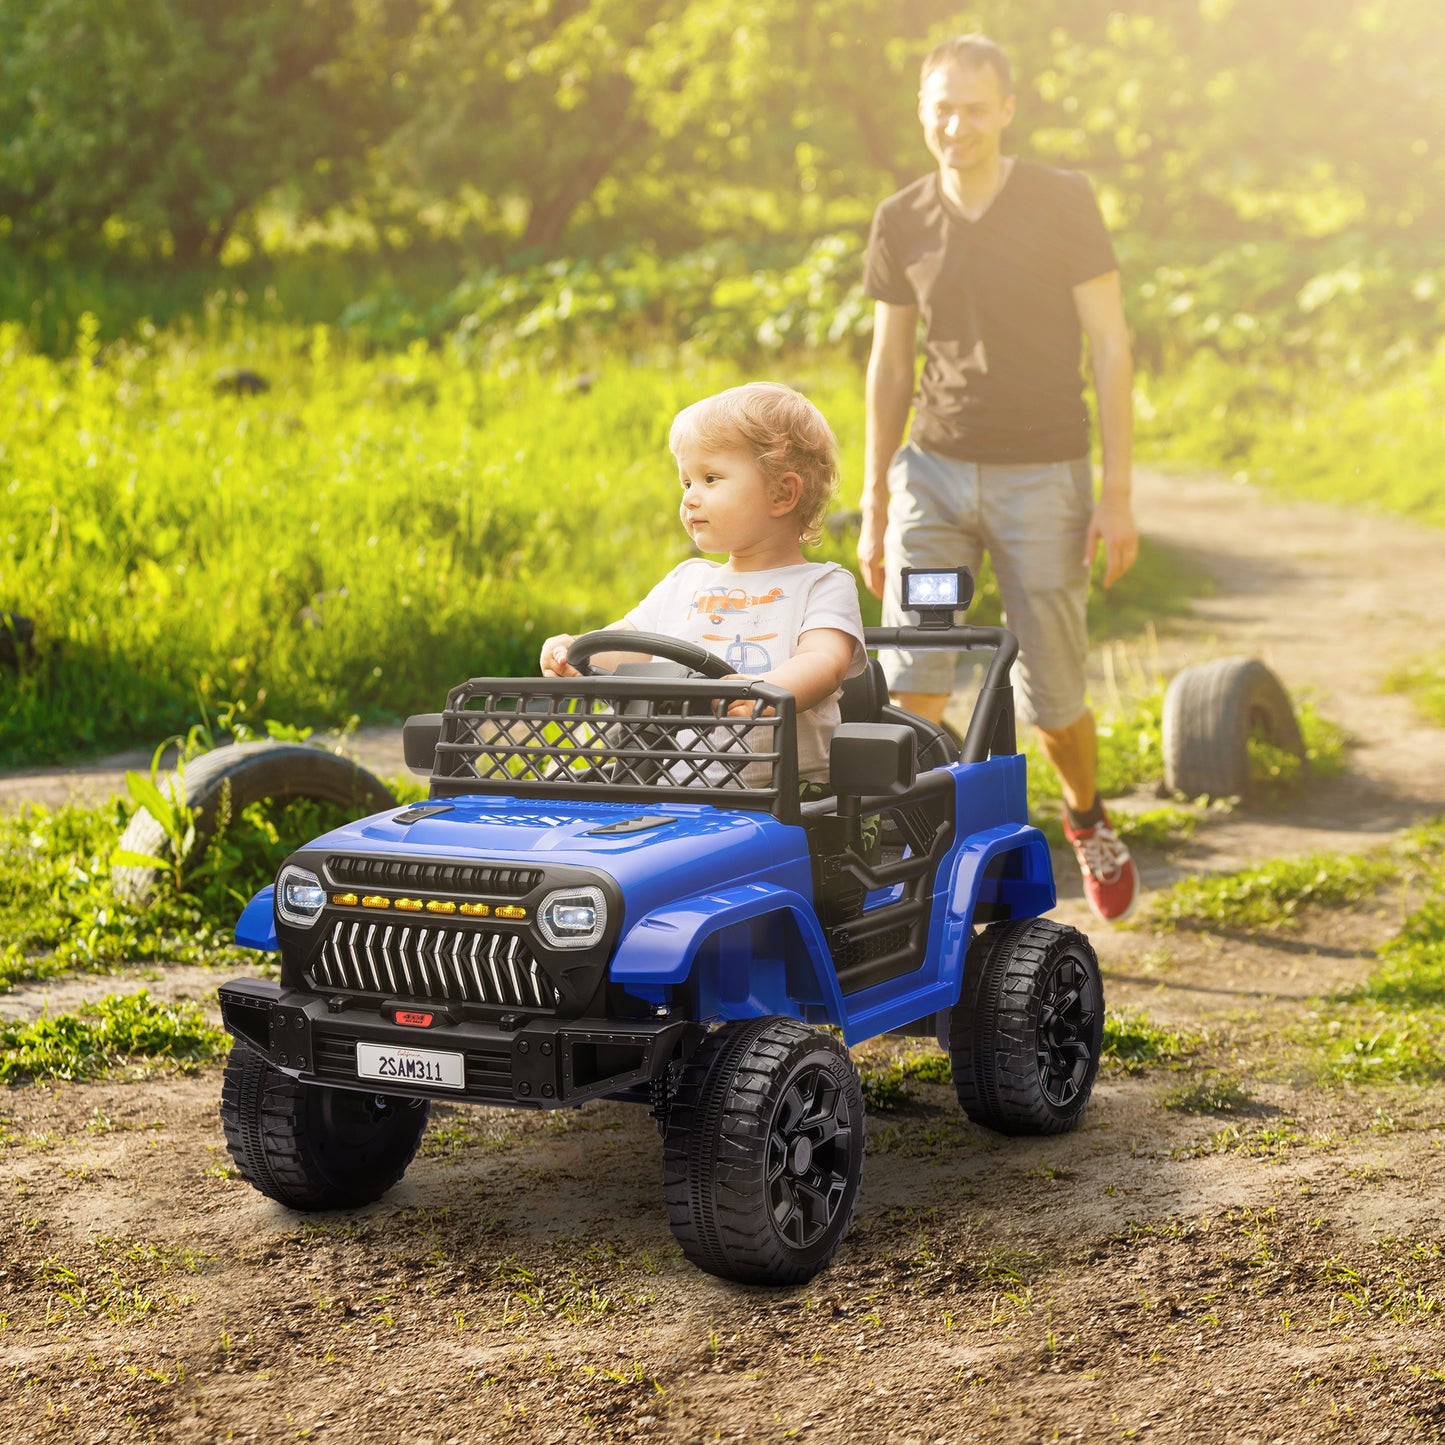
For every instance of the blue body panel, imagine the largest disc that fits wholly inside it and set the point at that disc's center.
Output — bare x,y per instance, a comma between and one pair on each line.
256,927
720,901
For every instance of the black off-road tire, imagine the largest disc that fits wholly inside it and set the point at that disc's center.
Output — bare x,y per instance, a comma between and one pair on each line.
1026,1036
249,772
763,1152
1210,714
310,1147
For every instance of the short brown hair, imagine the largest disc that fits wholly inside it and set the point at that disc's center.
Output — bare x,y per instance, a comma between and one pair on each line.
783,431
971,51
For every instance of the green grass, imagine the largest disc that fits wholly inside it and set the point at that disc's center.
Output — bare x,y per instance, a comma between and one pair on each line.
105,1035
60,914
1214,1093
1270,895
371,529
1392,1028
1132,1042
1424,682
1363,439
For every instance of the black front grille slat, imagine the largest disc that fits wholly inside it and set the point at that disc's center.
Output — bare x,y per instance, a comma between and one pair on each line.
443,963
478,880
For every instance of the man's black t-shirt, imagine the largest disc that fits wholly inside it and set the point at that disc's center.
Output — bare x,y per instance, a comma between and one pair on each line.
1001,375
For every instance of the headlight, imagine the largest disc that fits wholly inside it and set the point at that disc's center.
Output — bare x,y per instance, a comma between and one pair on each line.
573,918
299,896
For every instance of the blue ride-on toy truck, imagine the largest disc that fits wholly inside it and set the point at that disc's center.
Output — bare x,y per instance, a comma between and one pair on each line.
615,891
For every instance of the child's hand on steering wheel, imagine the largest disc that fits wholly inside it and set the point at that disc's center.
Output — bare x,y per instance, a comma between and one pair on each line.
744,706
554,656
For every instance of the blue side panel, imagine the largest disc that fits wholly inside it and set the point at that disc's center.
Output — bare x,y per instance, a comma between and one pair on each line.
992,813
751,950
256,927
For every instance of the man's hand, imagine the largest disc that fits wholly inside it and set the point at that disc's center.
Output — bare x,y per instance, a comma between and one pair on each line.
1112,524
554,656
870,552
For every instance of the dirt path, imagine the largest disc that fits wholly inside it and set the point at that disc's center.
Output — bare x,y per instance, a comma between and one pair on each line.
1268,1273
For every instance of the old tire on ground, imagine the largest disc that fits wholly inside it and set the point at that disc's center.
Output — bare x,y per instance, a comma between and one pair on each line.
1027,1033
1211,712
249,772
311,1147
763,1151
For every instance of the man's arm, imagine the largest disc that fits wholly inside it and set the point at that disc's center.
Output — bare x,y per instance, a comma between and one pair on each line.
1100,305
887,396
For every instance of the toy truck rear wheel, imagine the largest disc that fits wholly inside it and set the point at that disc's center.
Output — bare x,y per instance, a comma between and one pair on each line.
763,1151
310,1147
1026,1036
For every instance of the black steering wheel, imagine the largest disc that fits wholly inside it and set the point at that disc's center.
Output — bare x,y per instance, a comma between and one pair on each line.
672,649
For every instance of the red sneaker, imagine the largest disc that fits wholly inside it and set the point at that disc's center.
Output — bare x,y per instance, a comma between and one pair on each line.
1111,881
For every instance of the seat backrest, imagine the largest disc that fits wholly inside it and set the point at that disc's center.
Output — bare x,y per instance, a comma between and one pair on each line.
865,696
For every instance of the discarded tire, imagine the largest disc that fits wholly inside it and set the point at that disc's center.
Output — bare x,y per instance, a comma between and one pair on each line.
250,772
1211,714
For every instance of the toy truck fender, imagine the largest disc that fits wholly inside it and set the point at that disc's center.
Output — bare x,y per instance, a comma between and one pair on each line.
256,927
1006,869
749,950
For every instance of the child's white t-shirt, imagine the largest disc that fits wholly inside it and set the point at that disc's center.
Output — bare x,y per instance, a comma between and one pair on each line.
753,620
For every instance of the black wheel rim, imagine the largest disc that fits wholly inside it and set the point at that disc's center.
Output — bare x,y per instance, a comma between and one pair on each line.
1068,1012
810,1149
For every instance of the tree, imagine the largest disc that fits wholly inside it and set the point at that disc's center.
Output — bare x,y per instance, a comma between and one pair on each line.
171,118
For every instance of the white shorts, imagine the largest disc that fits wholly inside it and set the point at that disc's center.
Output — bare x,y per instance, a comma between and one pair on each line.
1031,518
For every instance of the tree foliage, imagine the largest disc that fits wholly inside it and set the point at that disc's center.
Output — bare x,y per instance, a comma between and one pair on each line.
562,126
166,121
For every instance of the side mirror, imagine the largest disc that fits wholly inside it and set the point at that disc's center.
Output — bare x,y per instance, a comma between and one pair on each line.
419,738
871,760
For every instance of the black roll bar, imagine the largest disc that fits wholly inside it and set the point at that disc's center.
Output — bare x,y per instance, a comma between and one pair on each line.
991,731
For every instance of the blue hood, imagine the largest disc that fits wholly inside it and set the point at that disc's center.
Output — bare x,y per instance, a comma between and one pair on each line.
703,847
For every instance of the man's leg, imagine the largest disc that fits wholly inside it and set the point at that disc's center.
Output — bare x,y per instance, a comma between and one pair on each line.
1035,521
1074,753
922,704
932,522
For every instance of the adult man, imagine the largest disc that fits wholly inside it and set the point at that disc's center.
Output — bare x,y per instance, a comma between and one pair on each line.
1008,264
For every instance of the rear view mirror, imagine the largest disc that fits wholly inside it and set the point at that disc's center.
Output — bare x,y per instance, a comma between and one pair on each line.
871,760
419,738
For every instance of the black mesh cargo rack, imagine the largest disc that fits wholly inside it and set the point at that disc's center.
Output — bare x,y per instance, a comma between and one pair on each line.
628,739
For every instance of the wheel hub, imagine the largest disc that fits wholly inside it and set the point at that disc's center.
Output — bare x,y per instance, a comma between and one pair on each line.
1068,1007
809,1150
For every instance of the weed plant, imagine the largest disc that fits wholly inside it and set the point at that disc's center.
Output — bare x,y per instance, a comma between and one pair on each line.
101,1036
1271,895
1132,1042
1392,1028
1425,683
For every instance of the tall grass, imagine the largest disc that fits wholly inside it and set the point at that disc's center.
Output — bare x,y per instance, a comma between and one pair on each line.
355,539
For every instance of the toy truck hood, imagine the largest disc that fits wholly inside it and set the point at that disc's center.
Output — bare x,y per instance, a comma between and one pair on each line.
675,846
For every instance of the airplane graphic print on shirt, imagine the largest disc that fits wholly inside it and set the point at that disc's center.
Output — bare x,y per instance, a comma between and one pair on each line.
745,652
753,621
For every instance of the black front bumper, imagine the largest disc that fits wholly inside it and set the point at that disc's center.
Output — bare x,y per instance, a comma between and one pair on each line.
542,1063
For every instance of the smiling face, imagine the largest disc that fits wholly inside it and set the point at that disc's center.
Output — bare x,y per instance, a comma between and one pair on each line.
964,113
728,504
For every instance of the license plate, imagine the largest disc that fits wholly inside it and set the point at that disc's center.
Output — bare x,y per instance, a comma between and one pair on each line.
392,1064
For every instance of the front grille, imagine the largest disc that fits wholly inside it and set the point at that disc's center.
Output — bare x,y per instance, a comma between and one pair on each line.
468,965
419,876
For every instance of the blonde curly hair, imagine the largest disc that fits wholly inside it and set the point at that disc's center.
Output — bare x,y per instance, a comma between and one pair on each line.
783,432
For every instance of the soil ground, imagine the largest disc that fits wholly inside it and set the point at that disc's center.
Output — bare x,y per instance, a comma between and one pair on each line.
1270,1272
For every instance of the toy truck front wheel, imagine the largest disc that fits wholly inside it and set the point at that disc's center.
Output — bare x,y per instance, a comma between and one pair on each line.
311,1147
764,1151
